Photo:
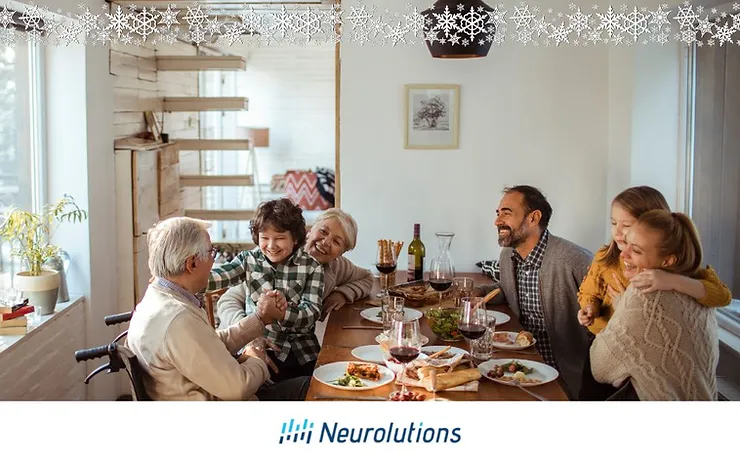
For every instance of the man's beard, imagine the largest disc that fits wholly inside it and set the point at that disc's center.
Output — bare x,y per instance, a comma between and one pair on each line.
514,238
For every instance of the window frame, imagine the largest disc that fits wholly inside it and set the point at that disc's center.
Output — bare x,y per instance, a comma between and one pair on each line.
31,138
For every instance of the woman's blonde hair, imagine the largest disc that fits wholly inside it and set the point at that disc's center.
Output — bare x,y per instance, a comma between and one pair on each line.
679,238
636,201
349,226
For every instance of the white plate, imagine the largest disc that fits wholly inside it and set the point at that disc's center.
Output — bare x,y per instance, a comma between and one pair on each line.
433,349
511,346
374,315
501,318
369,353
397,367
542,372
329,373
383,337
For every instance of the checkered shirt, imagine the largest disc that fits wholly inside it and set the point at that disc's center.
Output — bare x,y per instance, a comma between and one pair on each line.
528,295
300,278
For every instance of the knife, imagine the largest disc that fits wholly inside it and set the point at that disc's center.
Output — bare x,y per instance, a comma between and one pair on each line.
351,398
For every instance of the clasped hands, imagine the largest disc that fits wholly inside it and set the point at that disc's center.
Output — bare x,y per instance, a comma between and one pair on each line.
647,280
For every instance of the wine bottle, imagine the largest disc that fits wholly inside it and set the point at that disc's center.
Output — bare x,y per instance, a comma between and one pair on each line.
416,254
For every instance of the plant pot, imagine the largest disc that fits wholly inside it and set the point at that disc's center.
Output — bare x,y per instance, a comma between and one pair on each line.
41,291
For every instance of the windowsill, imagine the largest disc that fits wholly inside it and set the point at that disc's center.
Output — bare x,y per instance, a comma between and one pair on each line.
8,341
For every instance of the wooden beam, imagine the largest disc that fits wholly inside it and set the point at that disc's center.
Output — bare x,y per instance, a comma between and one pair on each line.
205,103
200,63
205,144
220,181
220,214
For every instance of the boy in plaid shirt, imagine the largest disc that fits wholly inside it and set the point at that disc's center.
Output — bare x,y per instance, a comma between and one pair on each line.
280,272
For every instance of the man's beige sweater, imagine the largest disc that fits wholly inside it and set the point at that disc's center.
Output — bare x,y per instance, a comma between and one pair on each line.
666,342
185,359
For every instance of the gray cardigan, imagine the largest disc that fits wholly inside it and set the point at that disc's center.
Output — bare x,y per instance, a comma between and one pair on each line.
564,266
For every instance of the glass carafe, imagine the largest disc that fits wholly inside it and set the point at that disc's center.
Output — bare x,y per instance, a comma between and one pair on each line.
441,268
444,240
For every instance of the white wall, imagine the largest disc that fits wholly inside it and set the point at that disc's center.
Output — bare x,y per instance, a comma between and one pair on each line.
80,151
582,124
527,115
291,91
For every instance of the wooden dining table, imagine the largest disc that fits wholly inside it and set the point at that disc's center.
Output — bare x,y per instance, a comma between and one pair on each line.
339,342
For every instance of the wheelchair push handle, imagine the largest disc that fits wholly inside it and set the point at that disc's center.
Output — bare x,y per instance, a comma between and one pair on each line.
94,353
118,318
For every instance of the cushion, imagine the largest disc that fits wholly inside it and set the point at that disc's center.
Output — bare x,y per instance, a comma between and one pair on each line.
325,184
490,268
301,187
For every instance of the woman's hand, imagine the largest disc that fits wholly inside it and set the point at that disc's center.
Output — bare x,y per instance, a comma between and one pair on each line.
586,315
334,301
651,280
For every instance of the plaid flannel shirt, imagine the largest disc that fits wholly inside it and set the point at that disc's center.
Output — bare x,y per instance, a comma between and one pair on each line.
300,278
528,294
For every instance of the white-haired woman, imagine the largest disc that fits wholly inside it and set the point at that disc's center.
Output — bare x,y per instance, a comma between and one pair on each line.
334,233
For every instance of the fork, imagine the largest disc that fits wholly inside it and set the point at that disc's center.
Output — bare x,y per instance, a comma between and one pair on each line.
533,395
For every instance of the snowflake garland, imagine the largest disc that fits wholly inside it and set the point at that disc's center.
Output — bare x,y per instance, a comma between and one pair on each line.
462,25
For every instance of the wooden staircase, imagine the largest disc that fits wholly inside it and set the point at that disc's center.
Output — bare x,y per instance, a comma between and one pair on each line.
193,104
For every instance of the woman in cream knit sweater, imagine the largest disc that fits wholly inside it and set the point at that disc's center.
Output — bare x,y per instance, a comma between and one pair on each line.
664,342
334,233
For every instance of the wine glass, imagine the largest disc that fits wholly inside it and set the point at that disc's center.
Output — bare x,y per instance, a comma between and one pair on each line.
440,276
473,318
404,341
386,264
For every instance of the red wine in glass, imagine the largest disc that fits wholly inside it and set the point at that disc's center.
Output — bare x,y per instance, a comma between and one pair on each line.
404,354
472,331
385,268
440,285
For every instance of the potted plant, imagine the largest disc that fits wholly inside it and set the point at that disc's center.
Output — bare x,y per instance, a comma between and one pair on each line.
29,235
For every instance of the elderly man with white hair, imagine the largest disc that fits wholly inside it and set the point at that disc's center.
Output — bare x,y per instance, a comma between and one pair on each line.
185,359
334,233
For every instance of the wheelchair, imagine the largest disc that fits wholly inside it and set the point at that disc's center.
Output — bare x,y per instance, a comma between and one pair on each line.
119,358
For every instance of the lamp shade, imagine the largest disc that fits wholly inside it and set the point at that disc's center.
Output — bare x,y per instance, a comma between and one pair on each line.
459,29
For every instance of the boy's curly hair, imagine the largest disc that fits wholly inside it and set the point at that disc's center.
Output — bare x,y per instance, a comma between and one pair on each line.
282,215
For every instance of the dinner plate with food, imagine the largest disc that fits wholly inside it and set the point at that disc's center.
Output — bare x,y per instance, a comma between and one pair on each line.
376,315
348,375
443,352
506,371
513,340
396,366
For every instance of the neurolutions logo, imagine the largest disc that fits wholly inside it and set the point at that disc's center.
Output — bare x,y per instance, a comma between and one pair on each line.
301,431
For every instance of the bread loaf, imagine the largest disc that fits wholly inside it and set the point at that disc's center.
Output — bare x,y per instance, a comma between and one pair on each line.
430,378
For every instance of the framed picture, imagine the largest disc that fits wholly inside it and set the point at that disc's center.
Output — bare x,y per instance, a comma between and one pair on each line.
432,116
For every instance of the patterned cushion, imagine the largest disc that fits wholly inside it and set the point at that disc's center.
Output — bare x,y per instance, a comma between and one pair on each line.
301,187
325,184
490,268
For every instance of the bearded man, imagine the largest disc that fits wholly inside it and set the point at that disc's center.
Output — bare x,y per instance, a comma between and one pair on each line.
540,277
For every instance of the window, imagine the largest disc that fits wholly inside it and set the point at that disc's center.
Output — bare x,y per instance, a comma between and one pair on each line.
22,164
714,166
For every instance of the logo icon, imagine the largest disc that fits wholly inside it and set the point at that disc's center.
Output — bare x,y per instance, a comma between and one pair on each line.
296,431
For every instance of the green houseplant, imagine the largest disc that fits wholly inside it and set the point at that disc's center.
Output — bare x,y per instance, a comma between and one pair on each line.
29,235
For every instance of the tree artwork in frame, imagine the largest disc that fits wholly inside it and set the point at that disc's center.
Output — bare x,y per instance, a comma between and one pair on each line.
432,116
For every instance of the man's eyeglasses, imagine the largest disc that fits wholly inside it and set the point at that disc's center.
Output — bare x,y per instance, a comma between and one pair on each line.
214,252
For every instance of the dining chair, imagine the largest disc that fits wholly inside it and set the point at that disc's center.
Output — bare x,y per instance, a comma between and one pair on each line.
210,300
